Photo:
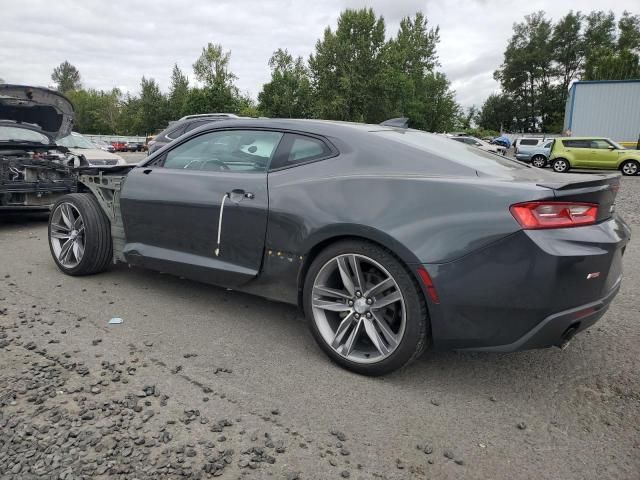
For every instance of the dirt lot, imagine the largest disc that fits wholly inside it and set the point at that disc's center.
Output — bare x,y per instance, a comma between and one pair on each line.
200,382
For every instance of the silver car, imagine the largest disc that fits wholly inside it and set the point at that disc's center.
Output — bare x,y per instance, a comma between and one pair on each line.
537,155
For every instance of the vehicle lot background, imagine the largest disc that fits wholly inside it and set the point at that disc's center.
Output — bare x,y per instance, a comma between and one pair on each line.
545,414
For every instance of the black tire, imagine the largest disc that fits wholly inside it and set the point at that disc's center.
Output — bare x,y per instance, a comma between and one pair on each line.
630,168
560,165
98,251
416,333
539,161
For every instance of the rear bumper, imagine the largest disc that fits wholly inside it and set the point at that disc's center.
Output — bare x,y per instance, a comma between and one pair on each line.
525,290
559,328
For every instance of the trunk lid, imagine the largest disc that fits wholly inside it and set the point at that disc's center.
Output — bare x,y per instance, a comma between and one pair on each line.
35,108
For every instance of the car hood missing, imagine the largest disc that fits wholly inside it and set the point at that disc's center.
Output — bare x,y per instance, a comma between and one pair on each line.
35,108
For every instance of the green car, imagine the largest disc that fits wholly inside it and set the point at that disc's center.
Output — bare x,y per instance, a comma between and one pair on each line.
590,152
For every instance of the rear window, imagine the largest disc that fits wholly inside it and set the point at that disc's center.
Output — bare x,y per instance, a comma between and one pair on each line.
175,132
440,146
529,141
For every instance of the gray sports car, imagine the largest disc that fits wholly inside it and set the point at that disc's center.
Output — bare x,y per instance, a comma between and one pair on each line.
390,240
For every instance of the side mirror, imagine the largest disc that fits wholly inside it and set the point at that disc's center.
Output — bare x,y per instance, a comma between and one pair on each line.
611,147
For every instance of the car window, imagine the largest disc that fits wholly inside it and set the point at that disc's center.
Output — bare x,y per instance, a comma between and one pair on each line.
305,148
600,144
228,150
301,149
548,144
528,141
577,143
21,135
458,139
175,132
75,140
194,125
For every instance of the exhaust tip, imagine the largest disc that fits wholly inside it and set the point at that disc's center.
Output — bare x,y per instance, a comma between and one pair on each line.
568,335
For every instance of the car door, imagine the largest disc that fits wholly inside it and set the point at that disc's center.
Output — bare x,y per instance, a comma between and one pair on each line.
200,210
602,154
579,152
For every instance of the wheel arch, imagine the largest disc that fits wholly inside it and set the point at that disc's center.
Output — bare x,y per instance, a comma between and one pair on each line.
317,243
621,162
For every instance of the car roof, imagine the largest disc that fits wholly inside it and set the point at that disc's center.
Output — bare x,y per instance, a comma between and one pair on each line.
211,115
320,127
583,138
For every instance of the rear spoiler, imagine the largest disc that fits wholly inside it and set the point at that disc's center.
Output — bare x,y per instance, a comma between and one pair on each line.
604,181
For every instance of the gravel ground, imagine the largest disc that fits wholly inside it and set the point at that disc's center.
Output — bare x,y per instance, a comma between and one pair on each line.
199,382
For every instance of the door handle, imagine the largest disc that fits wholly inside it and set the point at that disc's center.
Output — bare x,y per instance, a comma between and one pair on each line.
237,194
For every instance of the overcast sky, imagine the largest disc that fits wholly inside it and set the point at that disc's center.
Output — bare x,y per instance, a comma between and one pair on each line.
114,42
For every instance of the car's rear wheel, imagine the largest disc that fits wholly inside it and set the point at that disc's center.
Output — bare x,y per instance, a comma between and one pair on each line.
364,308
630,167
79,235
539,161
560,165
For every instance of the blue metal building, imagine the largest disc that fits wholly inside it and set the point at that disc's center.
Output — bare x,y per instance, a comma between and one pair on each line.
607,108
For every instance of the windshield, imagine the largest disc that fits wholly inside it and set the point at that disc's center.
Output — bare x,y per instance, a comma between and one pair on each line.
21,135
75,140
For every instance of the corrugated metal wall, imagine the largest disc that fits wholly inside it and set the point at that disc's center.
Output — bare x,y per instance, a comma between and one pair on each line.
607,109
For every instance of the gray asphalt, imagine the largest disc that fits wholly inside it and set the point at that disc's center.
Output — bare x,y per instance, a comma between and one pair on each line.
547,414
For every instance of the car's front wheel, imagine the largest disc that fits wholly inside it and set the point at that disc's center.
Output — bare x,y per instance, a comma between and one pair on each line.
630,167
365,309
560,165
79,235
539,161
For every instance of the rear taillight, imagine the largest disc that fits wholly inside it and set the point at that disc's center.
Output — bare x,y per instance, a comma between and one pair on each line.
536,215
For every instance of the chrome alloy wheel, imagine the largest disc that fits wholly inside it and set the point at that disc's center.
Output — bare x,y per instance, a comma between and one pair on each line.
538,161
630,168
358,308
560,166
67,235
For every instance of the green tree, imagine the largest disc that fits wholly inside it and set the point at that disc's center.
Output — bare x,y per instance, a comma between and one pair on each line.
599,41
467,119
437,110
409,58
612,54
219,93
629,28
130,121
346,68
567,51
288,93
498,113
526,72
66,77
178,93
153,107
212,67
96,111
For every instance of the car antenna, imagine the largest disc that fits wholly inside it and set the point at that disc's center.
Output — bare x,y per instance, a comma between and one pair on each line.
400,122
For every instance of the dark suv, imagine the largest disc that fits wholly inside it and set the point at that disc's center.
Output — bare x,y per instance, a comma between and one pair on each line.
184,125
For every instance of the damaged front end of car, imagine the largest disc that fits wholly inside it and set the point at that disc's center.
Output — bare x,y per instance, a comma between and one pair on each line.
34,171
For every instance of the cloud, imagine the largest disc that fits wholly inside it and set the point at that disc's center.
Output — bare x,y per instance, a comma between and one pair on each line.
115,43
